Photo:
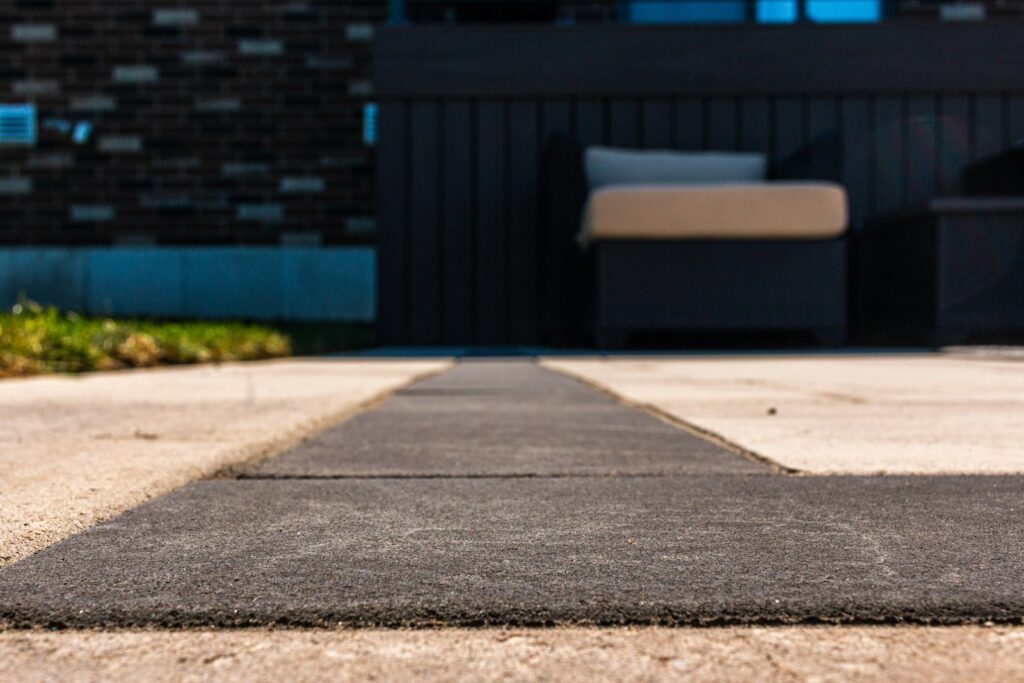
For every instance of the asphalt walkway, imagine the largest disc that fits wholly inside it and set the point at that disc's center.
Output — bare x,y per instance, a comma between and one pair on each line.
503,493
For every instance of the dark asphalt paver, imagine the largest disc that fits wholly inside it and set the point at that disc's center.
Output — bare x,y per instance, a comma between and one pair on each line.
667,550
503,418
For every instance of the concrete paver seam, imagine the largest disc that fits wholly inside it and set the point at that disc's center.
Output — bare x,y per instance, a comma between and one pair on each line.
246,476
677,422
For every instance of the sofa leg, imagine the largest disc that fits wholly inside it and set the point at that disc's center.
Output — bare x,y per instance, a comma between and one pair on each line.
612,339
830,337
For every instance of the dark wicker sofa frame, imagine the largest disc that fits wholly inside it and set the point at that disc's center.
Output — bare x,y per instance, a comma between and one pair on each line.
705,285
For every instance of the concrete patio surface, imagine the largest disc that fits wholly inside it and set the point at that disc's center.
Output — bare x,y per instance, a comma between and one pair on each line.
772,655
829,414
77,450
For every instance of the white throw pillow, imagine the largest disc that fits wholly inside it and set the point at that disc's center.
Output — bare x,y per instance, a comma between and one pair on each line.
612,166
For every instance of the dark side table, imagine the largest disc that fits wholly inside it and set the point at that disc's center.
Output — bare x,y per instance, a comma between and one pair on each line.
950,272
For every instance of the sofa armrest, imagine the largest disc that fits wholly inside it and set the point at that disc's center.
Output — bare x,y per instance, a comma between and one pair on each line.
819,159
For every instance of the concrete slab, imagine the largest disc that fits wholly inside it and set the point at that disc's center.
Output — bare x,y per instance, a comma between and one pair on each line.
828,414
778,654
76,450
487,418
666,550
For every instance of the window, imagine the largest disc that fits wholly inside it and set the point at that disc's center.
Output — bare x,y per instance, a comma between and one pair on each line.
687,11
820,11
845,11
764,11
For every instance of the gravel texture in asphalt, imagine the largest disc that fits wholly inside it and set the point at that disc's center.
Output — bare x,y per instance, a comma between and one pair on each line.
609,550
503,418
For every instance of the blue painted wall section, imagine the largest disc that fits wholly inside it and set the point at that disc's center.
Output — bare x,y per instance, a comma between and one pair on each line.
257,283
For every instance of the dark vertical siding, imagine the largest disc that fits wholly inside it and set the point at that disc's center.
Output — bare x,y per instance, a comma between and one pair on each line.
955,141
458,227
466,257
722,124
426,254
988,126
858,167
755,124
787,127
624,123
822,116
689,124
590,122
657,123
558,253
922,149
1015,119
889,172
522,228
393,241
490,205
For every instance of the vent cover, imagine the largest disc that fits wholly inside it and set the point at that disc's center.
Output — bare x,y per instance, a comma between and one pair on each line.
370,124
17,124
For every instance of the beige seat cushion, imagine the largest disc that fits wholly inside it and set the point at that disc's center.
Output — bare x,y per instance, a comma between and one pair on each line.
801,210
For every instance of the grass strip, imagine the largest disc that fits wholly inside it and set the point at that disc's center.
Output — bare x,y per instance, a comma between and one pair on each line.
36,340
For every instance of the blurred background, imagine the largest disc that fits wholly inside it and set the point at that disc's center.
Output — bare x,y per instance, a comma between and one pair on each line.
262,160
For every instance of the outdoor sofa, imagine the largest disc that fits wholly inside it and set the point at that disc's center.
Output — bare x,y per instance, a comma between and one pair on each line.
706,241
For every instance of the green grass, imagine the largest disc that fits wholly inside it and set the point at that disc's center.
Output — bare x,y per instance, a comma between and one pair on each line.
34,340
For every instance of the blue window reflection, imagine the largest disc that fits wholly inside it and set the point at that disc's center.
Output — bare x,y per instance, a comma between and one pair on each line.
765,11
852,11
687,11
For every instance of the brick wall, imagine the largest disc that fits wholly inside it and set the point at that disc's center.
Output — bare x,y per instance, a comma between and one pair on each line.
210,121
213,121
